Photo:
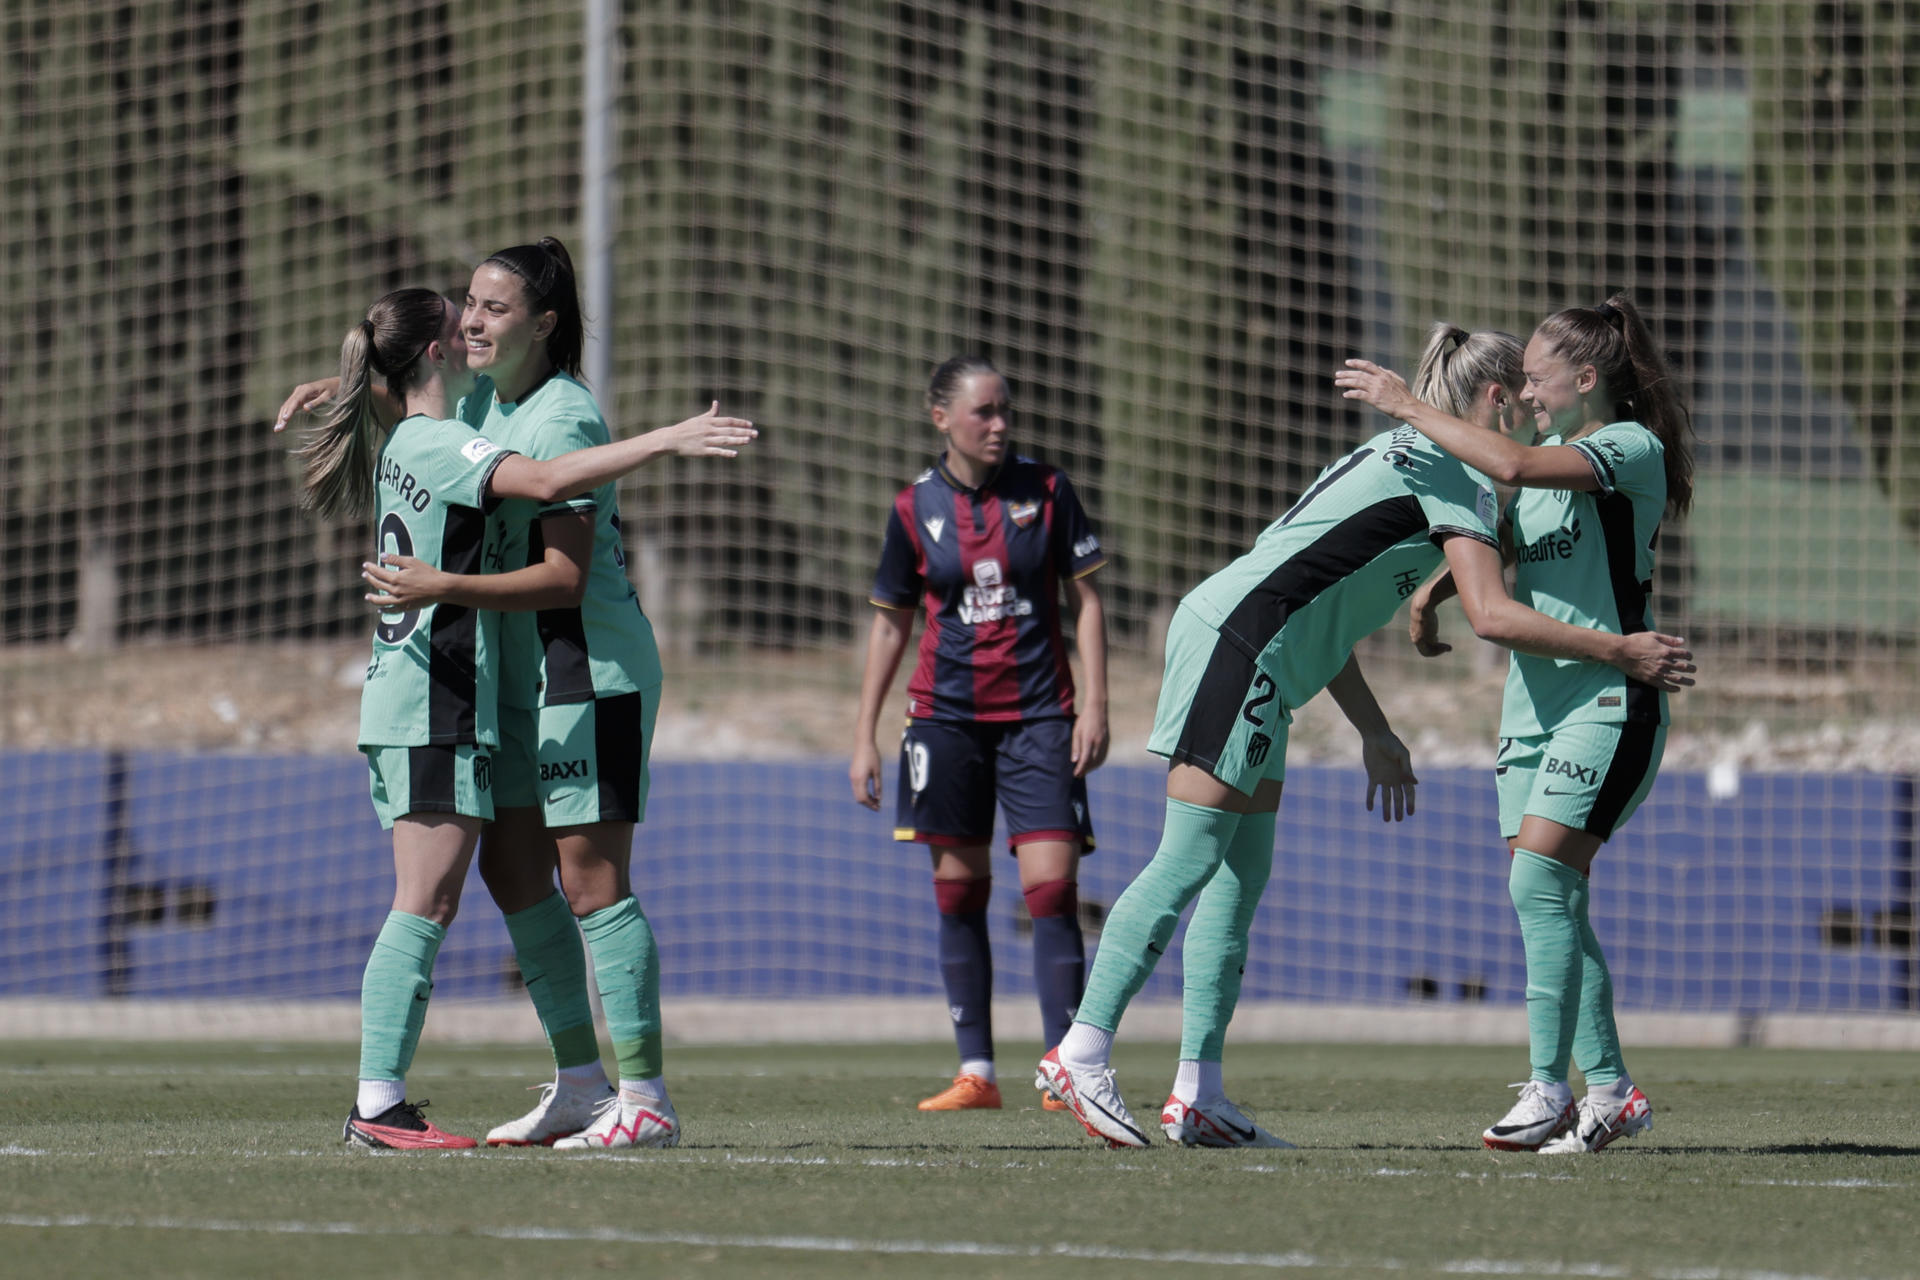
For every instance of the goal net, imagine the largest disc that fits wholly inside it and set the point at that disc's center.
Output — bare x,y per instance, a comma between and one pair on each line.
1167,223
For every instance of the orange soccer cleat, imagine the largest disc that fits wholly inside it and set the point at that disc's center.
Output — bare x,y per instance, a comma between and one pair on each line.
966,1093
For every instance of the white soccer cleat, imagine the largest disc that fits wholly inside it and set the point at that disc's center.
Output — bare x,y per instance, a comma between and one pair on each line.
625,1121
560,1113
1603,1118
1543,1113
1214,1124
1093,1100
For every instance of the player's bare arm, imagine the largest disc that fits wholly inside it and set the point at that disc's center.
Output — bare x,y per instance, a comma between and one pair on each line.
1650,657
1388,764
1505,461
1091,737
886,641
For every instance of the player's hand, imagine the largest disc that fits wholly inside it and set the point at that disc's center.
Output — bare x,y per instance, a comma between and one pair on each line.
707,436
864,774
1377,385
399,583
1390,772
306,398
1423,626
1090,740
1661,661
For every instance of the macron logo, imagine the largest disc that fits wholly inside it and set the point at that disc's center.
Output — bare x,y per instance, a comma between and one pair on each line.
936,526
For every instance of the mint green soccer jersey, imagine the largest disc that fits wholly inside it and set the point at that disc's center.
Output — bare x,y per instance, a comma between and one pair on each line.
605,645
1586,557
1336,566
434,675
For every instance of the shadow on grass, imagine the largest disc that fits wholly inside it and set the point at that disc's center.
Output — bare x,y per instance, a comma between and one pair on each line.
1817,1149
1646,1150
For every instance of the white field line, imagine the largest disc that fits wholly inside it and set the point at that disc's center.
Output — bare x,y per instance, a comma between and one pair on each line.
1292,1261
683,1157
922,1018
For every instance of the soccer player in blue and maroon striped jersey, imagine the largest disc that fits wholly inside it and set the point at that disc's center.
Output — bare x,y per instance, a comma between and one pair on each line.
988,544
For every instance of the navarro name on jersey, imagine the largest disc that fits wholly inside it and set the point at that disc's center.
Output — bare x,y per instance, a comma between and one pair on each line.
406,490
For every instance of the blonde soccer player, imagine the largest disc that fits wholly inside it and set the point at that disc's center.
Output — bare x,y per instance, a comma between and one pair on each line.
1581,741
1245,648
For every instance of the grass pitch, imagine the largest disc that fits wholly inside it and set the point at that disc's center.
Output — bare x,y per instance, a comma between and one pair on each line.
215,1160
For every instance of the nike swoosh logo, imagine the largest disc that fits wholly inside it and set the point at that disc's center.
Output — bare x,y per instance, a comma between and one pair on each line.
1549,791
1245,1135
1157,951
1501,1131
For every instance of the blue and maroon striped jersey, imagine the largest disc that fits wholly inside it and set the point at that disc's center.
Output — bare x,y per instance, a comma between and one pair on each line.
989,563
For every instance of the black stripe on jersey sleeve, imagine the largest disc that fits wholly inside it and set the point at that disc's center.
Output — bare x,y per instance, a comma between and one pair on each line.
453,667
1602,469
1333,556
1441,532
1629,593
489,500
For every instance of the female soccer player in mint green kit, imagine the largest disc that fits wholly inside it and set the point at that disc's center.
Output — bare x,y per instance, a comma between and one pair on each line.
428,722
580,688
1580,742
1245,648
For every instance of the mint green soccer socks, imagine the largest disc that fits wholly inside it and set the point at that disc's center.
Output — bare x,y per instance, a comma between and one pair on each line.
626,967
1596,1040
1141,924
393,994
1214,959
546,945
1543,892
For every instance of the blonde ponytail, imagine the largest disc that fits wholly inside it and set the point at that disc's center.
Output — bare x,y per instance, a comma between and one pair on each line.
1457,364
338,457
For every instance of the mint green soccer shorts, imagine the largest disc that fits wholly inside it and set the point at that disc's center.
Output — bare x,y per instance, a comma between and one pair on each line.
437,779
1590,777
578,762
1218,710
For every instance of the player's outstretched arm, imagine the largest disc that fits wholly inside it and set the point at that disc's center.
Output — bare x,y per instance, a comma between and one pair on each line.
1388,763
1649,657
1504,461
705,435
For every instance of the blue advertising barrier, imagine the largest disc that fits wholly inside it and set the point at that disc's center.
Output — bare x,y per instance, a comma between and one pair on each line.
183,875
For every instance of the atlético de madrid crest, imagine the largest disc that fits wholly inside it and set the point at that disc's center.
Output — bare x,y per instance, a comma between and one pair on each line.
1023,512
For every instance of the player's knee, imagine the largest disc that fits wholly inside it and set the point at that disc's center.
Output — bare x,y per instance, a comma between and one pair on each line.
1052,898
962,897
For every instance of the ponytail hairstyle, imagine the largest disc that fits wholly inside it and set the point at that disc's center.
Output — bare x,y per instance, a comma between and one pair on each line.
337,458
1456,364
546,269
946,378
1614,340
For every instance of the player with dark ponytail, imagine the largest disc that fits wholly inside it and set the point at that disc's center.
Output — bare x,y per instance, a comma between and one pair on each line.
428,710
1580,741
579,691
